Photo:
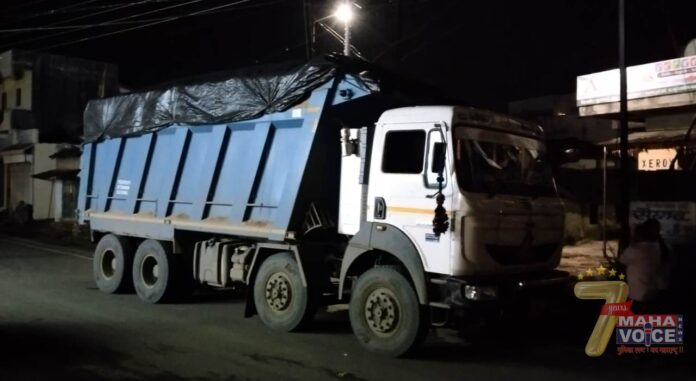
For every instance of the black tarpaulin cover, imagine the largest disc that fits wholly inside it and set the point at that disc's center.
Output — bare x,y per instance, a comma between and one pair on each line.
243,95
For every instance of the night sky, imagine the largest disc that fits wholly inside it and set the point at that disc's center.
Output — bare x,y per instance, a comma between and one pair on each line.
484,52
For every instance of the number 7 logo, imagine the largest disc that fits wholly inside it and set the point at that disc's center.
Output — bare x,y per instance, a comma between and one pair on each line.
610,292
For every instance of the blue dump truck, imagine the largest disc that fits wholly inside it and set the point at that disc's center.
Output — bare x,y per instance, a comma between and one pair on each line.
316,185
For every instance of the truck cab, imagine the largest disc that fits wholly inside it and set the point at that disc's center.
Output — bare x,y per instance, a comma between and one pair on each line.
505,223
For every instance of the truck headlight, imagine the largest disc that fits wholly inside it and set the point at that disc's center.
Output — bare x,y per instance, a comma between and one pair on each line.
480,292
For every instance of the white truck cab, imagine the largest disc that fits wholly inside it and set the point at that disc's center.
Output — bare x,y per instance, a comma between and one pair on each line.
505,223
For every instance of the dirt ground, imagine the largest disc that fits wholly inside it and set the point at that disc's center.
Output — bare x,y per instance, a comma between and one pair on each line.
586,255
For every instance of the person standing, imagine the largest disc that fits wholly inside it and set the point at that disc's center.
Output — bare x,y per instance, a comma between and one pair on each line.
643,267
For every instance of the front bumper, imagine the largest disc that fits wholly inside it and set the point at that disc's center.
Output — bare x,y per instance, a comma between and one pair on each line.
477,298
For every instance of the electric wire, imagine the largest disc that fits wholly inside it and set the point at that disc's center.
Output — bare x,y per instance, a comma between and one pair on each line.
110,23
50,11
79,26
173,18
340,38
40,38
93,8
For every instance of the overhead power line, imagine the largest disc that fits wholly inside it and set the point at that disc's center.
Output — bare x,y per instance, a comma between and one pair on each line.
25,5
41,38
340,38
112,23
173,18
13,19
81,26
72,9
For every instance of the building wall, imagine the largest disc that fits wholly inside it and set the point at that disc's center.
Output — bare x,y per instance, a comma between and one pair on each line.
8,91
57,200
44,116
671,121
9,87
20,184
24,136
65,191
42,189
3,185
68,163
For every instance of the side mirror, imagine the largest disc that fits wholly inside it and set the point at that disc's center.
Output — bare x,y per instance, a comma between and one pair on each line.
438,164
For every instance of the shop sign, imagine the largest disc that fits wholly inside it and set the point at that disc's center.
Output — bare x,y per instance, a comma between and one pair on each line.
677,218
656,159
650,80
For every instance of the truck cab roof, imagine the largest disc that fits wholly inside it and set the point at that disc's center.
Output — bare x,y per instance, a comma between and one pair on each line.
461,115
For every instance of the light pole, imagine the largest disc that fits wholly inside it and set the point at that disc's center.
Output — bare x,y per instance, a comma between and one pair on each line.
344,13
625,188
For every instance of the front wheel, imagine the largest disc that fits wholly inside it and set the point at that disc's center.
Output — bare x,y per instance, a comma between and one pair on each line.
282,301
385,314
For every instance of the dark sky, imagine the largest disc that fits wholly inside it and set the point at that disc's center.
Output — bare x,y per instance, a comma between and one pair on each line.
484,52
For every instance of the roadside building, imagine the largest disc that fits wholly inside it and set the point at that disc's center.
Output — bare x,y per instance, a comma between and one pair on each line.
579,179
64,182
42,99
662,97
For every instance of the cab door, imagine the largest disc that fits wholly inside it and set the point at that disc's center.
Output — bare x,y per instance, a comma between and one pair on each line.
403,183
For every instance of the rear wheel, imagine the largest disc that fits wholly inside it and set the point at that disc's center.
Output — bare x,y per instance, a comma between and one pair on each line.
154,270
281,300
385,314
112,263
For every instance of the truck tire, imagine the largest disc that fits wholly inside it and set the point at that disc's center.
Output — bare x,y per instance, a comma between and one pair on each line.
385,314
112,263
281,300
154,270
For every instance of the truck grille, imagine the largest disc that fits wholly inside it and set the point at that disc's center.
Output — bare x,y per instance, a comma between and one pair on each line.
516,255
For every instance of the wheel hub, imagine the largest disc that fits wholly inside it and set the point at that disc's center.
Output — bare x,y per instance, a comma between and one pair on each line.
108,264
382,311
150,271
278,292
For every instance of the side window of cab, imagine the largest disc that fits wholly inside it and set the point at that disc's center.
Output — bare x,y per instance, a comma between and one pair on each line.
404,152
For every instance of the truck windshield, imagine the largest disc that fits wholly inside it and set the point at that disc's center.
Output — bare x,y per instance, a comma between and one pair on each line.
499,163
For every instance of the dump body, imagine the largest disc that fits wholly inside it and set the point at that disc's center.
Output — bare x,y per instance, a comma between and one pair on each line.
239,179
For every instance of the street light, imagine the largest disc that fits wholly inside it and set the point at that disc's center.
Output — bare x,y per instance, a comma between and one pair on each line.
344,14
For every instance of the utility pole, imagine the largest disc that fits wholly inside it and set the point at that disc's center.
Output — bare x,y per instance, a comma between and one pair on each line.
399,31
625,188
344,13
346,32
346,40
305,18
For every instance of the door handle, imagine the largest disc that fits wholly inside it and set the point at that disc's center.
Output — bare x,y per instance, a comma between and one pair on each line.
380,208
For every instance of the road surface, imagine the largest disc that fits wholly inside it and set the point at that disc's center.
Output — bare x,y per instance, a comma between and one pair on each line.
55,325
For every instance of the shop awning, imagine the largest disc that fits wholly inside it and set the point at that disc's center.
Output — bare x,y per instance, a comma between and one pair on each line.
17,153
61,174
67,152
654,139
